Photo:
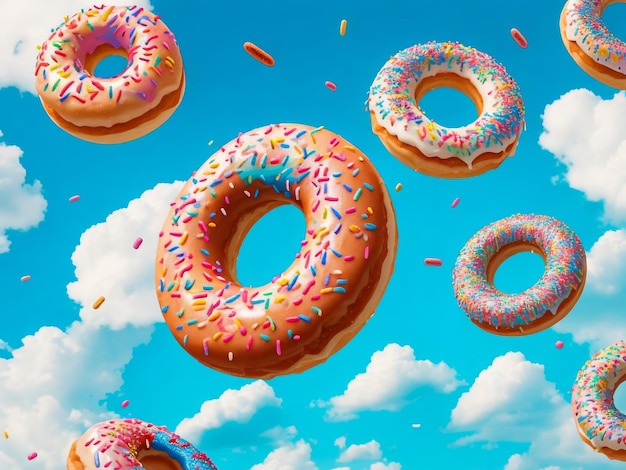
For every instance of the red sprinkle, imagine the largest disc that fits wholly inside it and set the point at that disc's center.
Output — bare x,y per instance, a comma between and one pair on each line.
125,403
32,456
433,262
330,85
456,202
74,198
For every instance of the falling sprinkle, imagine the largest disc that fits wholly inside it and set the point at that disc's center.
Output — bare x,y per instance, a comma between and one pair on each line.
125,403
519,38
211,142
433,262
74,198
137,243
98,302
398,186
6,434
330,85
259,54
32,456
342,27
455,202
416,426
559,344
25,278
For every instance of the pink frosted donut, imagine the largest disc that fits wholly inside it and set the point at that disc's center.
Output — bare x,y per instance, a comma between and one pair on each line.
133,444
119,108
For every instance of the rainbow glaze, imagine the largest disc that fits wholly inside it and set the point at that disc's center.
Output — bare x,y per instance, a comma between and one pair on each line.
565,267
118,444
584,26
592,398
253,330
154,65
392,100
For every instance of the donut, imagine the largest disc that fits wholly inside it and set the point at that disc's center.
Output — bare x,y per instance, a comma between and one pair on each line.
592,46
131,443
431,148
599,423
116,109
331,288
556,292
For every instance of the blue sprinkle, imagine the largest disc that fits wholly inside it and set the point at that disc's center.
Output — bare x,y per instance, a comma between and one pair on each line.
165,309
304,318
264,337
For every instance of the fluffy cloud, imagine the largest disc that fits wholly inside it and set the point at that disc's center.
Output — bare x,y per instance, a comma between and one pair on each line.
291,456
385,466
588,135
23,205
61,379
511,401
368,451
232,405
389,379
606,267
23,27
107,264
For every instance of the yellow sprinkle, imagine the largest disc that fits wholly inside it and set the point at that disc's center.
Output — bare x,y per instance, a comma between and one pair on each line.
350,147
183,239
354,228
326,290
66,18
203,188
212,224
98,302
370,211
283,281
107,12
215,315
398,186
325,214
214,165
276,141
342,27
38,47
603,50
217,335
163,272
64,74
199,302
6,434
297,149
279,299
169,59
238,322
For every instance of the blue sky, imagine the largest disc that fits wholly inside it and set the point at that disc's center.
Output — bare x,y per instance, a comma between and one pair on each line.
482,402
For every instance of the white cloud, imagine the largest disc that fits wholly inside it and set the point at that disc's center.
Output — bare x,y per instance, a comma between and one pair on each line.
384,466
232,405
292,456
389,379
368,451
23,27
60,379
107,264
511,401
606,262
588,135
341,442
280,435
23,205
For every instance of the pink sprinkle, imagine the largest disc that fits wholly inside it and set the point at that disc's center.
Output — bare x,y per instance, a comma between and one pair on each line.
330,85
433,262
278,350
125,403
25,278
32,456
137,243
456,202
74,198
559,344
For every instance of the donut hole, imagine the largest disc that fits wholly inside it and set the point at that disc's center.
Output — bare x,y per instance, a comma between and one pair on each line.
619,398
519,272
106,61
613,17
270,246
158,461
449,100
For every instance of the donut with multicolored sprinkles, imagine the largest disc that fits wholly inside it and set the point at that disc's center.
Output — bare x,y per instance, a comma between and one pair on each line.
599,423
593,47
132,444
334,284
427,146
537,308
114,109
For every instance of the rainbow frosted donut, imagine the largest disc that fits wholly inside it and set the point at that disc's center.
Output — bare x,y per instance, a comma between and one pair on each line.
133,444
331,288
120,108
594,48
599,423
427,146
540,306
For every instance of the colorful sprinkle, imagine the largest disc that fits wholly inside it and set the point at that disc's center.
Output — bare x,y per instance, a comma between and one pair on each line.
342,27
330,85
137,243
433,262
25,278
74,198
259,54
99,301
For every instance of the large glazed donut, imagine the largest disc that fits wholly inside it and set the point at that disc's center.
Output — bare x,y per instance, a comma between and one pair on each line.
133,444
433,149
120,108
540,306
599,423
331,288
594,48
